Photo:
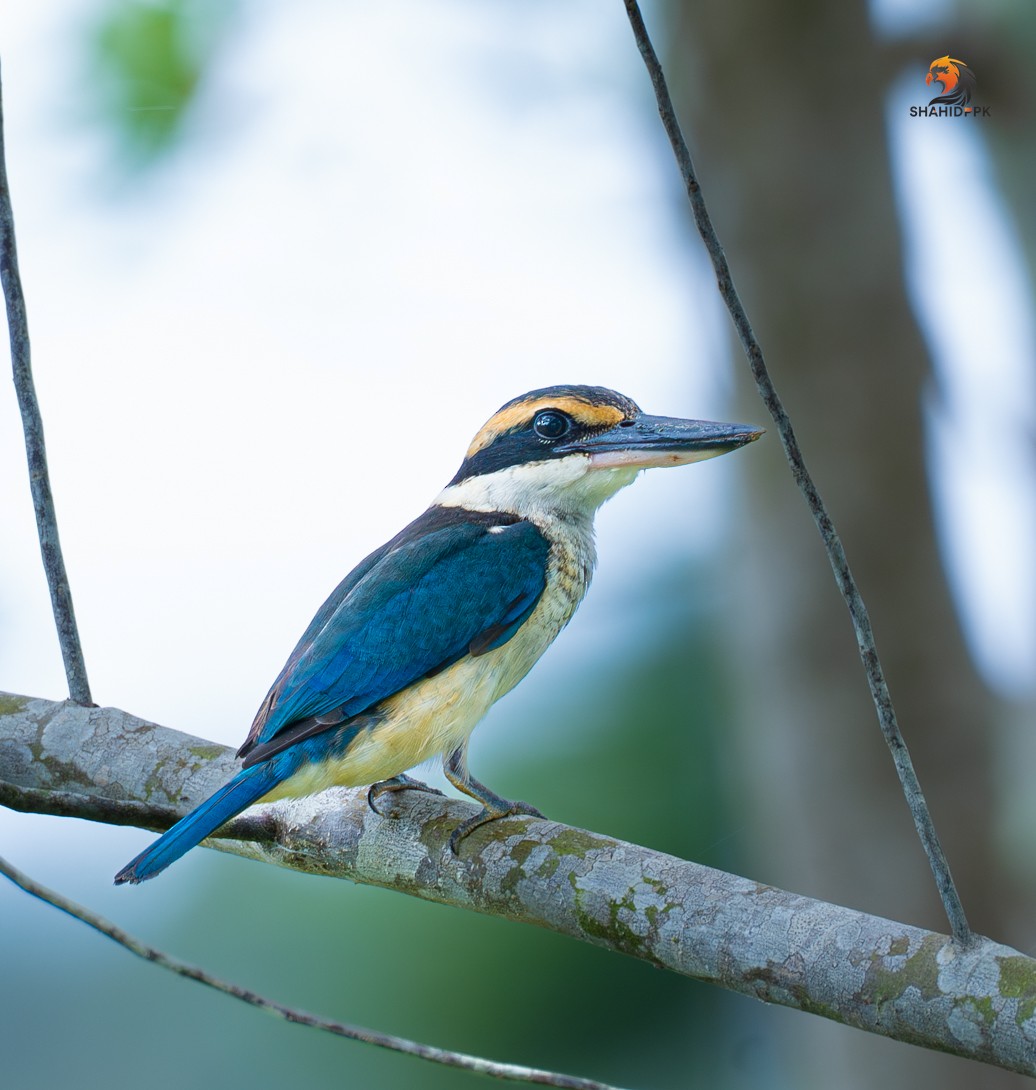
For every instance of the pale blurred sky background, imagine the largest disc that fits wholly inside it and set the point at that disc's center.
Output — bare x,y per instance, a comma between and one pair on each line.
260,355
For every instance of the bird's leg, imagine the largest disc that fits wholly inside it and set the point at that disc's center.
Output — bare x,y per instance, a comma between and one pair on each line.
455,766
402,782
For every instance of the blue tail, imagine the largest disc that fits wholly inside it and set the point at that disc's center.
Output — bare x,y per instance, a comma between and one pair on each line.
229,800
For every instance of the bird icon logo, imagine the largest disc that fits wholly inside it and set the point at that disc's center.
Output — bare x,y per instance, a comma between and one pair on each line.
957,80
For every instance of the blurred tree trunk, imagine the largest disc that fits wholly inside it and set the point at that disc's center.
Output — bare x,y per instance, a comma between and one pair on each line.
784,107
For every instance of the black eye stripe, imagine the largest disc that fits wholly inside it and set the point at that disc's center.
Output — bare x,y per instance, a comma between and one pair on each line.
551,424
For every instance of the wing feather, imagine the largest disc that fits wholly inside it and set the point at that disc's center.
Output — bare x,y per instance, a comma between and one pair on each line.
408,611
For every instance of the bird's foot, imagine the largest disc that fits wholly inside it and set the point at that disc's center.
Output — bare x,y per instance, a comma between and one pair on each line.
402,782
487,814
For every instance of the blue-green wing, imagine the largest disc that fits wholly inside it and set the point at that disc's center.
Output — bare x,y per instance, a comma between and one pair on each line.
431,596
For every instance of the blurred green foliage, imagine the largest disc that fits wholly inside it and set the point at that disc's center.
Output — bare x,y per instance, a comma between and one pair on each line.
149,60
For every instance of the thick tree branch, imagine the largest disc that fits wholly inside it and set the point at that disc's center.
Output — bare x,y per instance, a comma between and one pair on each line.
884,977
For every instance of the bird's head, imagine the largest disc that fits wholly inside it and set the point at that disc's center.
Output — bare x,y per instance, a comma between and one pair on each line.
567,449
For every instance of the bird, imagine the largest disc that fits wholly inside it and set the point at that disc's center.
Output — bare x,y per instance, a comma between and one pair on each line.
418,641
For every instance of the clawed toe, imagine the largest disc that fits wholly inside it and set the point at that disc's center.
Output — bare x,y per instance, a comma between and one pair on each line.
513,809
455,767
402,782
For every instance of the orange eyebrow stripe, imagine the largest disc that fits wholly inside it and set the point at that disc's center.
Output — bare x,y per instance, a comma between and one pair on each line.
583,412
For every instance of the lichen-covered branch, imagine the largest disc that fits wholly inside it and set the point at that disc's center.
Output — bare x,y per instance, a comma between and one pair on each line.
889,978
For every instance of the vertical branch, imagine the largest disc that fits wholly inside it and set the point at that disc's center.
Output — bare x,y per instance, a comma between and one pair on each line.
32,425
832,543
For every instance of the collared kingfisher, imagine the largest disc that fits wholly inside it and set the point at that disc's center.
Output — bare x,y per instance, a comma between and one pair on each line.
422,637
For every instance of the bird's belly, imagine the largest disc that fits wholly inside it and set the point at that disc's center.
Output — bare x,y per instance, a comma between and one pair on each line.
437,714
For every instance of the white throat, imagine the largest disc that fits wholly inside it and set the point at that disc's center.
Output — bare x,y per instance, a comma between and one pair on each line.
566,488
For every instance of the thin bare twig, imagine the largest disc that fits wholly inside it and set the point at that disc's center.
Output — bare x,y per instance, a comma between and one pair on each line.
509,1072
32,424
832,543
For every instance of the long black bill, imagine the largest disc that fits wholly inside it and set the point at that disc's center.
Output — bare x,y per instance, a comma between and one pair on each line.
647,441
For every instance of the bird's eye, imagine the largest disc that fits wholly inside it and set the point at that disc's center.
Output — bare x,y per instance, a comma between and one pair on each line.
550,424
